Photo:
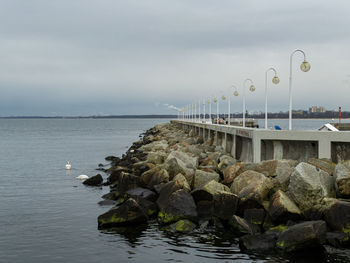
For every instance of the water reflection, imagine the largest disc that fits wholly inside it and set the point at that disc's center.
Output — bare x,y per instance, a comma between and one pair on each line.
210,245
131,234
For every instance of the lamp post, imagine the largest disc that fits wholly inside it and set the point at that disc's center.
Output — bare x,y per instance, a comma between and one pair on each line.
204,110
251,88
199,110
275,80
305,67
223,97
208,101
217,109
235,93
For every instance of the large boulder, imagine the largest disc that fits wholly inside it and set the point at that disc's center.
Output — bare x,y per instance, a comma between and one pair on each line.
193,149
225,161
94,180
282,209
302,236
183,159
130,212
342,179
232,171
180,205
211,160
242,227
207,191
323,164
115,173
142,193
155,146
255,216
141,167
156,157
127,181
167,190
203,177
309,185
284,169
182,179
252,188
337,216
224,205
154,177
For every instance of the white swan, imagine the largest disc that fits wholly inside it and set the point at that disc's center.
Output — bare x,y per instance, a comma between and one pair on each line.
68,165
82,177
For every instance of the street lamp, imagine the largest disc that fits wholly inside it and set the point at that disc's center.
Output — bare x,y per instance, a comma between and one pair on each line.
223,97
251,88
217,110
208,101
235,93
204,110
275,80
305,67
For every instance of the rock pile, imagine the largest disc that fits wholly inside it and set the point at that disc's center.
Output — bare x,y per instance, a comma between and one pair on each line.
184,182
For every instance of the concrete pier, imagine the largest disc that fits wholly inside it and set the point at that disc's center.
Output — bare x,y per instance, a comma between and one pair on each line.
256,145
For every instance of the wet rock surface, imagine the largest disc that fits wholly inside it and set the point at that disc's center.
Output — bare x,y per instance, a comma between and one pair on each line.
183,183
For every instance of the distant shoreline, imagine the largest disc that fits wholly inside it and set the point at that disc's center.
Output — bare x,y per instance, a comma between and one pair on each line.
147,117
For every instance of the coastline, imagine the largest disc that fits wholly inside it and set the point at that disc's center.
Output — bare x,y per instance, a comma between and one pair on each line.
182,183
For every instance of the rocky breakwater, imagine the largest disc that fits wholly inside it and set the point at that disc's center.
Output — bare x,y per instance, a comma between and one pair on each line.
180,182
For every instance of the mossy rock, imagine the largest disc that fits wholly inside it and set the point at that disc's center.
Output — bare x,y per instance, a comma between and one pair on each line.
128,213
183,226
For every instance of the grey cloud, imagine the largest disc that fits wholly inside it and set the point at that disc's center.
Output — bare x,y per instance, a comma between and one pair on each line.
102,53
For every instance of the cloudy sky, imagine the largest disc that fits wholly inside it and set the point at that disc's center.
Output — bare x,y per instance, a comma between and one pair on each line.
82,57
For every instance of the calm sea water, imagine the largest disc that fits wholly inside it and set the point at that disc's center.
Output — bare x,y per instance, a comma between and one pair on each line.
46,215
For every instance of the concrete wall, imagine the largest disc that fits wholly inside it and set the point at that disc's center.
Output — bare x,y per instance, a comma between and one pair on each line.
255,145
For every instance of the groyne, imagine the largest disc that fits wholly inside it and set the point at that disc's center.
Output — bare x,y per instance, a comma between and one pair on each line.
181,180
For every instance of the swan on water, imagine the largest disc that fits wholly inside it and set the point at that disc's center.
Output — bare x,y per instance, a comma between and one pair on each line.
82,177
68,165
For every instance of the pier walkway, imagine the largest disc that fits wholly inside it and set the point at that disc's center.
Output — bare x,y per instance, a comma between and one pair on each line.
256,145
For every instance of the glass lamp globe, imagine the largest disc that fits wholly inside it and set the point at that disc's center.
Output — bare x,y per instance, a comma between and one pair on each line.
235,93
223,97
252,88
305,66
275,80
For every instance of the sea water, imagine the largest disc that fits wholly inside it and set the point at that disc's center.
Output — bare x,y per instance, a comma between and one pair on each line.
47,215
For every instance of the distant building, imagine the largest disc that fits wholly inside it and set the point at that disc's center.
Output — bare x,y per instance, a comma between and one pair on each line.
317,109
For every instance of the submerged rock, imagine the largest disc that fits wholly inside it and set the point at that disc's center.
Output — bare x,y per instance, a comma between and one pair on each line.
94,180
302,236
130,212
183,226
261,243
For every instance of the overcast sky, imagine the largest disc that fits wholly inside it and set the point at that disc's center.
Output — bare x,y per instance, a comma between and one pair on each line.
82,57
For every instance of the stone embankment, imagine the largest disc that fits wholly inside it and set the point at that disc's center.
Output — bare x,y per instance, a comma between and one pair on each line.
183,182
